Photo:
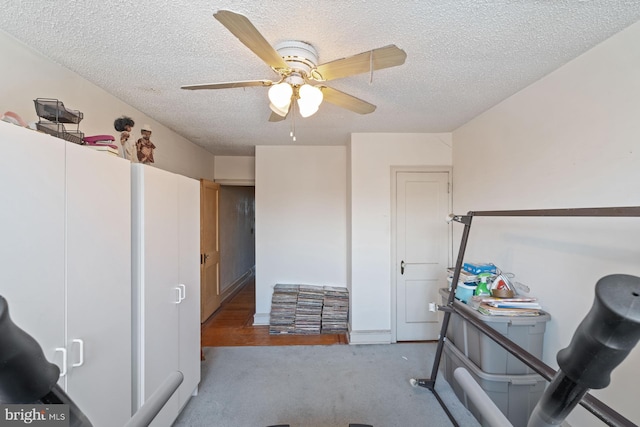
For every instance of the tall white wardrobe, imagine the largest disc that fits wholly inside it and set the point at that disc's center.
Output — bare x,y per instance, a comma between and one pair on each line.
65,263
166,285
99,262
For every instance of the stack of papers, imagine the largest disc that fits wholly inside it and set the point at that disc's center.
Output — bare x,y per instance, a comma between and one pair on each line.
495,311
514,303
517,306
283,309
464,276
335,310
111,149
309,310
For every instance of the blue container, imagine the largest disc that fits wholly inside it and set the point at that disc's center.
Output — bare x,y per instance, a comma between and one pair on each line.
464,291
475,268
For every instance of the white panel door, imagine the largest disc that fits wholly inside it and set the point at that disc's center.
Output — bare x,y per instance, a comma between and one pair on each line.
161,292
189,270
422,204
99,284
32,248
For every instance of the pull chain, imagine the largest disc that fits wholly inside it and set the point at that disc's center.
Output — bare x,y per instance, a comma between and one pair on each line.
292,133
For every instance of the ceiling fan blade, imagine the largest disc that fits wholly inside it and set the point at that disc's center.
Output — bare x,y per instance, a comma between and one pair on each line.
276,117
376,59
243,29
228,85
344,100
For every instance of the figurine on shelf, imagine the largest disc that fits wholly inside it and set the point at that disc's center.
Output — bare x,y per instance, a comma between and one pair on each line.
144,146
124,125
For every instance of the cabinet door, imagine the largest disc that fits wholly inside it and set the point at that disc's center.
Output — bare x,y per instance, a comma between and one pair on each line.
159,281
99,284
189,270
32,229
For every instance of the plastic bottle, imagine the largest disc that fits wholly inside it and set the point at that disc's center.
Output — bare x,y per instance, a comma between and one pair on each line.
483,286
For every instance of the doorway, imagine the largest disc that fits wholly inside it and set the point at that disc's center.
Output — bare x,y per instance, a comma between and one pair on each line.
228,242
421,250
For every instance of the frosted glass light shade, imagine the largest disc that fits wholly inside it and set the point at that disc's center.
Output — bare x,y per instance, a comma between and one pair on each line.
310,95
310,98
280,94
306,109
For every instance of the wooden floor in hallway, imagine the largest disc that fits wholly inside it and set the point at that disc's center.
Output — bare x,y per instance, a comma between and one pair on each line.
232,325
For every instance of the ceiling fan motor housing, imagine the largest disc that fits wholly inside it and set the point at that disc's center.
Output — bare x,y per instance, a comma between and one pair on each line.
301,57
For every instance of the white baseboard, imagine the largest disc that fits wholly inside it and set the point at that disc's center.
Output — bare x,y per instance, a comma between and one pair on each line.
237,284
261,319
370,337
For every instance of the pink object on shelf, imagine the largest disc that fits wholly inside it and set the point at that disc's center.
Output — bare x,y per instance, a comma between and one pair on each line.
11,117
97,138
101,140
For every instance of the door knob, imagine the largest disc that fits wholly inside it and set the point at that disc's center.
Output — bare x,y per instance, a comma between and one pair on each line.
402,267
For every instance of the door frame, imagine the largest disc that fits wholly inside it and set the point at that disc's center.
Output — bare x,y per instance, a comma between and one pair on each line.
394,232
204,309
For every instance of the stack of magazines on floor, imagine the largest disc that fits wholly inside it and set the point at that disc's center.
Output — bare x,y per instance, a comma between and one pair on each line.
485,288
335,310
283,309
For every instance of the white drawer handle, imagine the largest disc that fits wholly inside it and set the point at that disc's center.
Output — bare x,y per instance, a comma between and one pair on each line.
183,288
179,295
80,353
64,360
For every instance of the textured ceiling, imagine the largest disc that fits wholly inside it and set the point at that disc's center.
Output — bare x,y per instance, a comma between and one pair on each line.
463,56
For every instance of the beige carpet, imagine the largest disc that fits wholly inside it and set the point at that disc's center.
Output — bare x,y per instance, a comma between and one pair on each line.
320,386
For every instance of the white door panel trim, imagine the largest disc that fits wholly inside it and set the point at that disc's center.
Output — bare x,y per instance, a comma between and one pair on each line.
394,250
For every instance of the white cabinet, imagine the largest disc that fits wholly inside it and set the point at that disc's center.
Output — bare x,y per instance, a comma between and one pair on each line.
65,263
166,285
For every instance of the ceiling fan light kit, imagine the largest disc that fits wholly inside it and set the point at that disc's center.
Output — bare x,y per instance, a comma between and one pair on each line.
280,94
309,100
296,62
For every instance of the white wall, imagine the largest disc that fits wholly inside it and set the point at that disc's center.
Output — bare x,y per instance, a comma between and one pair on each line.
569,140
26,75
371,157
301,211
235,170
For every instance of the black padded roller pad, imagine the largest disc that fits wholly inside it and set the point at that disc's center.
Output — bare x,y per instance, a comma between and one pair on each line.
25,374
606,335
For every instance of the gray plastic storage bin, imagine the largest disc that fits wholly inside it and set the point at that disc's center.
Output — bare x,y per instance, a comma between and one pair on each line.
514,395
490,357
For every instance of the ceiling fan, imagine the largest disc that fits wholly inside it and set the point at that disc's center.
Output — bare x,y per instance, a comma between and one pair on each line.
296,63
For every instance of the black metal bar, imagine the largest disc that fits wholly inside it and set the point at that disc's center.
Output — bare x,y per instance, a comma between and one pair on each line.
627,211
429,383
593,405
605,413
454,284
444,406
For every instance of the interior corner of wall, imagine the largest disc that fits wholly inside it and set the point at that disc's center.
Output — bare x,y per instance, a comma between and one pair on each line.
261,319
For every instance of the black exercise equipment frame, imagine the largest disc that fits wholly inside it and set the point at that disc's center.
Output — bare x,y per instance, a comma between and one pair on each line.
590,403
